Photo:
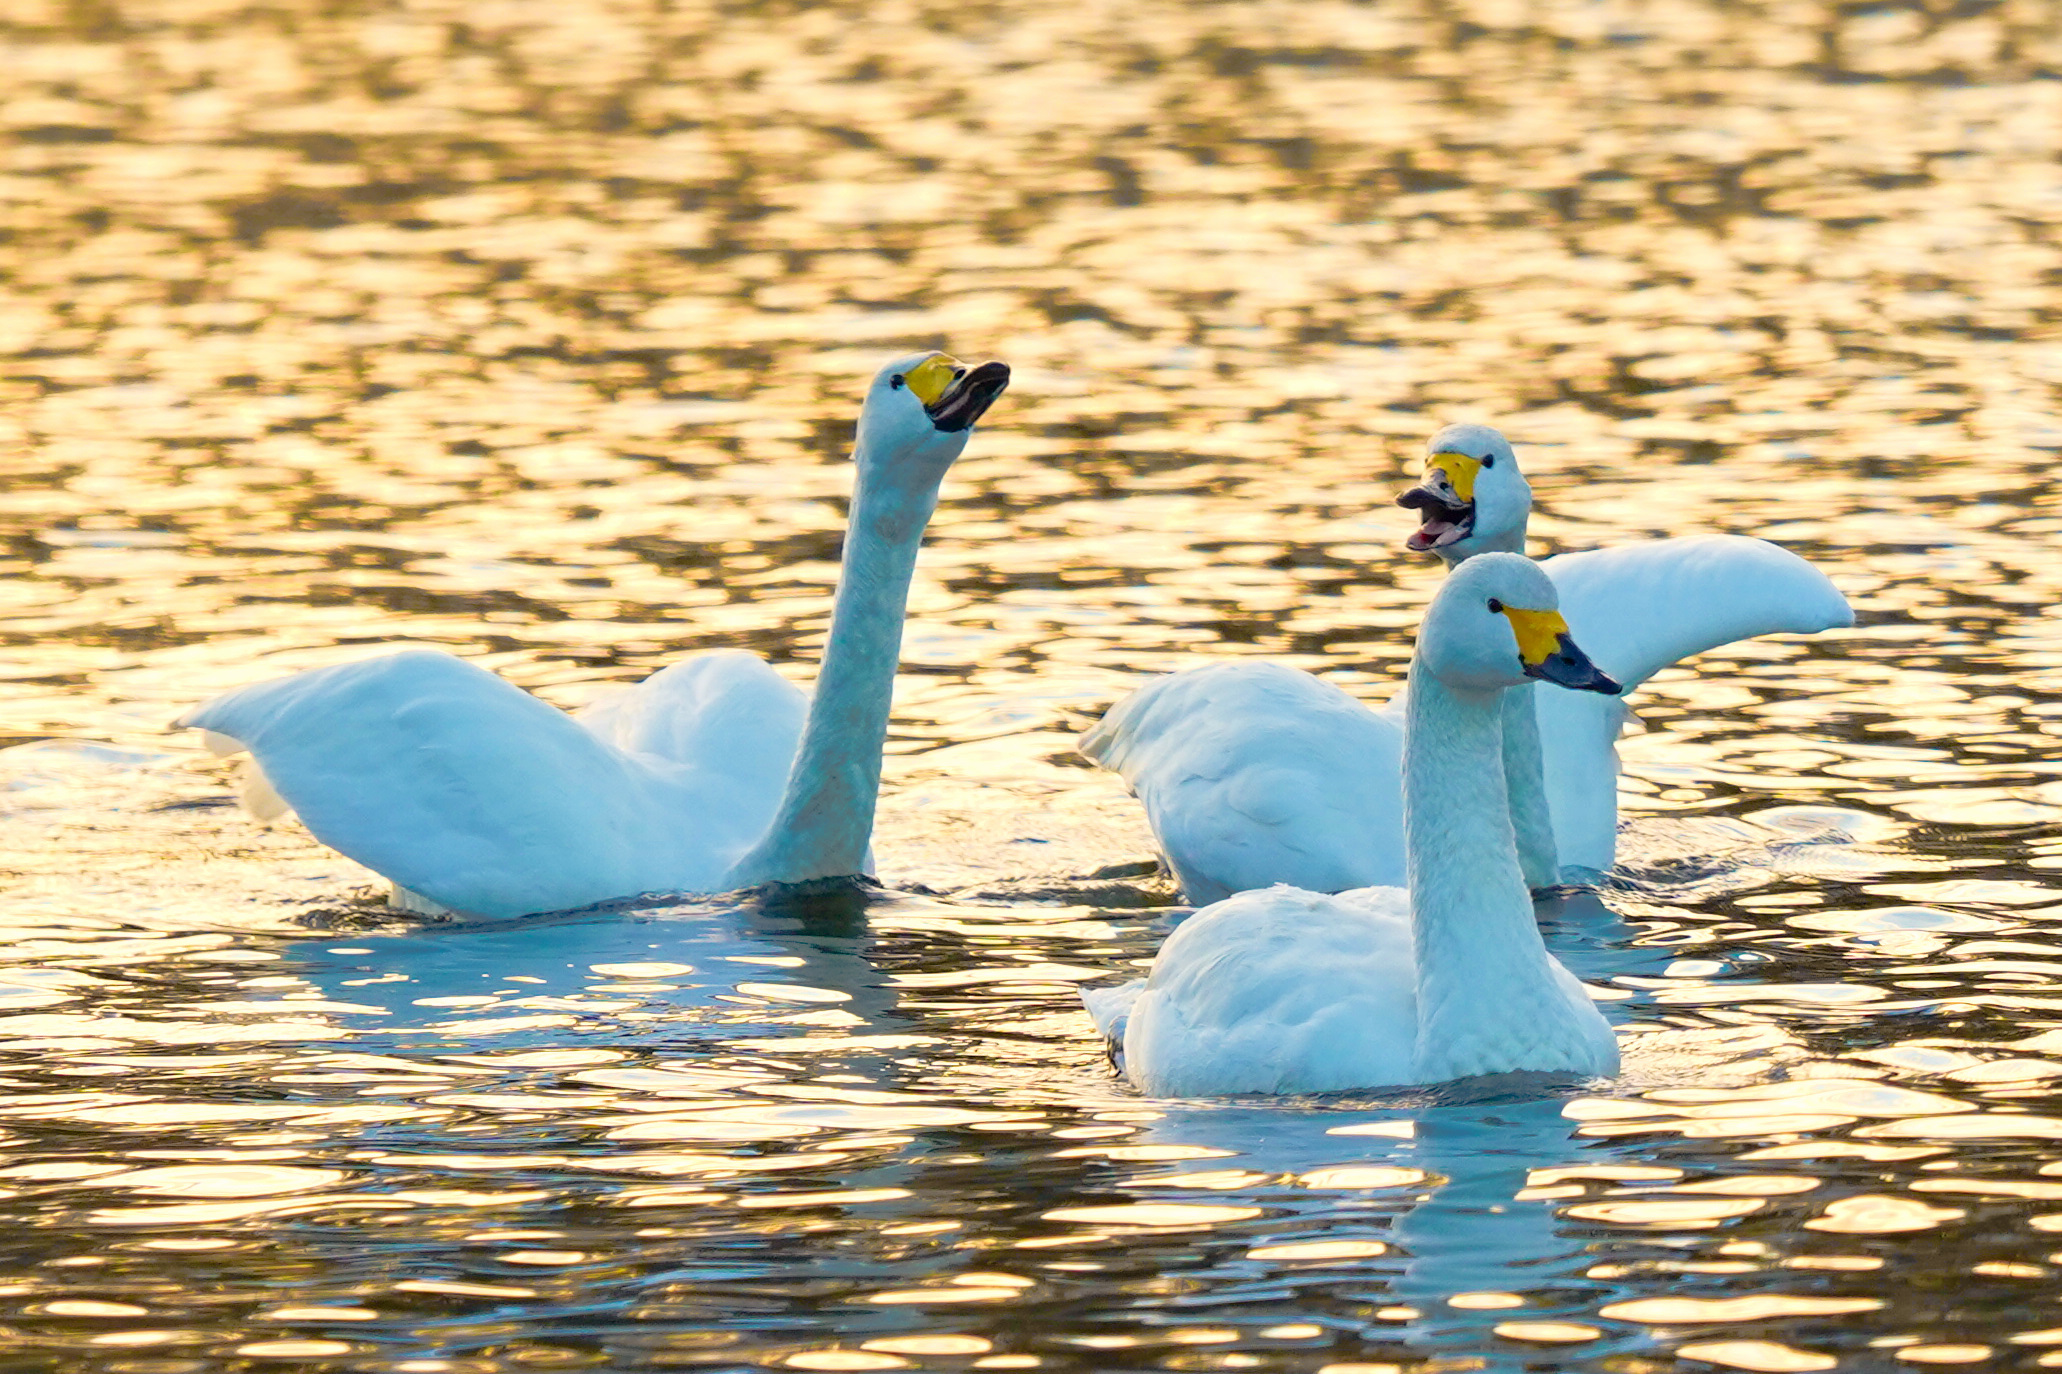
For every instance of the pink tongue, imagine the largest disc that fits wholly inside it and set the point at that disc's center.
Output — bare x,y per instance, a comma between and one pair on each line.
1433,534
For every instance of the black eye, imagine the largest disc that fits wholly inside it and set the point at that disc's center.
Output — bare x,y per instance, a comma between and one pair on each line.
1495,606
895,382
1489,461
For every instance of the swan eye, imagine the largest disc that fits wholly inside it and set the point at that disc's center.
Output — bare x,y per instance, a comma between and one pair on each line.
897,382
1495,606
1489,460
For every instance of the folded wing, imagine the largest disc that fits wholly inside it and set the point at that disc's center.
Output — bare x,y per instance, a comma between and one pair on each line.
1254,774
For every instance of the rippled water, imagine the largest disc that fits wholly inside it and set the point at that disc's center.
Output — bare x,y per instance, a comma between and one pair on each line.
534,330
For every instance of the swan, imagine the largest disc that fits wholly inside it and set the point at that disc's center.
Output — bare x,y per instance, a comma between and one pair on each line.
472,796
1283,990
1253,773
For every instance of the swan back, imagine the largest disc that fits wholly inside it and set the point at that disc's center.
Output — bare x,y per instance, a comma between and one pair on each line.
1278,991
1223,757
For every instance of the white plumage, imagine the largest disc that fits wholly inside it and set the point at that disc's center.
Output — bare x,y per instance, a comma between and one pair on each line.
1252,773
460,787
471,795
1283,990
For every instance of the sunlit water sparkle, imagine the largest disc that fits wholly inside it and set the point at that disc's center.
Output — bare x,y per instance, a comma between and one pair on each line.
535,330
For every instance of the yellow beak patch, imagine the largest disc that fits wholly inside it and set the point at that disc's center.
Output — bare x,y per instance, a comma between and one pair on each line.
1539,633
1460,471
928,379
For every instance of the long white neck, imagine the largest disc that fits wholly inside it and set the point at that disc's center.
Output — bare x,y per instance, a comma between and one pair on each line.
1539,854
826,815
1486,985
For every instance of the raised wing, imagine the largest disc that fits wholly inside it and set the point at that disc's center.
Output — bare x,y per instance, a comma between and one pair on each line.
459,786
1635,610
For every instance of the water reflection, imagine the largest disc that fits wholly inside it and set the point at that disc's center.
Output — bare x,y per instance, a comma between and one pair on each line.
532,332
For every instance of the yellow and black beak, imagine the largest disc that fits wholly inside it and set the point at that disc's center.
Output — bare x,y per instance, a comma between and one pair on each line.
954,395
1549,654
1446,495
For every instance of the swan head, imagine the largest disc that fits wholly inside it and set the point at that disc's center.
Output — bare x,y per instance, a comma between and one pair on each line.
920,409
1472,497
1496,623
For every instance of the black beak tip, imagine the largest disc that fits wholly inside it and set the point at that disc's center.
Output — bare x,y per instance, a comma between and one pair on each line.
1571,668
969,397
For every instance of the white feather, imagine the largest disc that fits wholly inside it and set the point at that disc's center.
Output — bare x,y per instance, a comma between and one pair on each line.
473,796
1283,990
1252,773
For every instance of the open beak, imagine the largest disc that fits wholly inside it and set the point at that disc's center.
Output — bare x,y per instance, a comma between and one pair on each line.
1446,496
961,405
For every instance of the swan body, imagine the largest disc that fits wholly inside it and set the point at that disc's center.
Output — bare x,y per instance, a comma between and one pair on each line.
715,773
1283,990
1253,773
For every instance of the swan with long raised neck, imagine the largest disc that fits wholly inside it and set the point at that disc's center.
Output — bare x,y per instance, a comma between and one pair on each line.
1254,773
1283,990
716,773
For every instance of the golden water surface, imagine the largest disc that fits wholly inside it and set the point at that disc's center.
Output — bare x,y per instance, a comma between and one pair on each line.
534,329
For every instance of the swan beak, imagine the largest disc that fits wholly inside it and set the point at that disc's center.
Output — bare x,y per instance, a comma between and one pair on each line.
1446,495
954,395
1550,654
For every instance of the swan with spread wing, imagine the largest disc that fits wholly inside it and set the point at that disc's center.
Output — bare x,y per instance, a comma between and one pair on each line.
1253,773
470,795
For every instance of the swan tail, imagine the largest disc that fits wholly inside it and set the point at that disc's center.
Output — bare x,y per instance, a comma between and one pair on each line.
1105,742
1110,1009
257,794
415,904
1640,607
254,791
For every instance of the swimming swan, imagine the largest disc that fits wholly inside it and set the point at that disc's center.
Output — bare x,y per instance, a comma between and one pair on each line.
468,792
1253,773
1282,990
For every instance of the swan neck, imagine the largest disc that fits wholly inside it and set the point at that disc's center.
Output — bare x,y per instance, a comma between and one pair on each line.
1539,856
826,814
1484,977
1509,539
1532,817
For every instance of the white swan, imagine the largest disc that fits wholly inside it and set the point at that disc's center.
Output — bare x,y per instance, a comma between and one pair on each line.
1253,773
1282,990
466,791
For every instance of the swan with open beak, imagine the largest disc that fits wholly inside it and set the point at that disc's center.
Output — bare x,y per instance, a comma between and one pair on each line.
1471,498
